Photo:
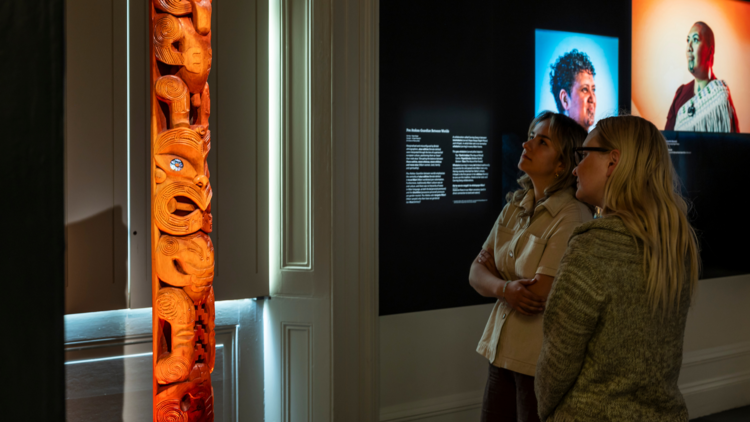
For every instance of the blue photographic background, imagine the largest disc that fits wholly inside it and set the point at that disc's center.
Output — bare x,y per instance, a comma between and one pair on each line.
602,52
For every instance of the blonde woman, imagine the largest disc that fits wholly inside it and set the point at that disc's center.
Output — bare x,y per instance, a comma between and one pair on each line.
615,320
518,263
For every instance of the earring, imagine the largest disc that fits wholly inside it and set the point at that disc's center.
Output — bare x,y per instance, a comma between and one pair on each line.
556,175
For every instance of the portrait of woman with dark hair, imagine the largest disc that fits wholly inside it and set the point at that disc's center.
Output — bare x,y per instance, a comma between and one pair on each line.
572,85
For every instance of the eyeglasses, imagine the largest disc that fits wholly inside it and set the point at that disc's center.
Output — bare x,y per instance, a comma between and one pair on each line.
579,152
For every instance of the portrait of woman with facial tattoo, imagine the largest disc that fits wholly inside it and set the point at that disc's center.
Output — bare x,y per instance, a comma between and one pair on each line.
704,104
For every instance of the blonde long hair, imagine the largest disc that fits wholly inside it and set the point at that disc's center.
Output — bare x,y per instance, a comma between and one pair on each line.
644,192
567,135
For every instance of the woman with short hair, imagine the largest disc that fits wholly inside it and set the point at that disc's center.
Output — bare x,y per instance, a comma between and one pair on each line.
615,318
519,260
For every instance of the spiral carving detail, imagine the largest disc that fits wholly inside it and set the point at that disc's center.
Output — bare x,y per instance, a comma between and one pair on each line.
174,224
168,245
169,411
174,305
172,369
167,30
175,7
172,89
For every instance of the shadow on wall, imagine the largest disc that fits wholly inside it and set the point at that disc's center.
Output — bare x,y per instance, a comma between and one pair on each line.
96,257
96,280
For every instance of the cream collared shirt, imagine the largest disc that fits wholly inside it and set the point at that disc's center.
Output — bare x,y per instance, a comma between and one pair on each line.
523,247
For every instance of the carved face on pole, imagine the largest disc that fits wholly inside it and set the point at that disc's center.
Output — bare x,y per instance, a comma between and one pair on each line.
183,191
185,41
186,262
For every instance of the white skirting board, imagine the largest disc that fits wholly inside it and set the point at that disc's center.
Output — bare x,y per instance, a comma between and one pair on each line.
433,409
711,380
716,379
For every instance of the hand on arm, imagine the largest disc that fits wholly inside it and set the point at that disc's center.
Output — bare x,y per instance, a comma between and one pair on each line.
542,285
521,298
486,280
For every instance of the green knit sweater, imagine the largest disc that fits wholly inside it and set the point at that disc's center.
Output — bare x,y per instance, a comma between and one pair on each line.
605,356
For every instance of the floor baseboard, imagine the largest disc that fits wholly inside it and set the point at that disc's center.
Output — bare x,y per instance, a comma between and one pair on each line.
712,380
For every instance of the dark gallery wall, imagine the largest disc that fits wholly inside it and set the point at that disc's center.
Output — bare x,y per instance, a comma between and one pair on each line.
469,67
453,71
31,115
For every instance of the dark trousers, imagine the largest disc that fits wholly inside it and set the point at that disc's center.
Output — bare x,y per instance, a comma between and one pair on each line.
509,397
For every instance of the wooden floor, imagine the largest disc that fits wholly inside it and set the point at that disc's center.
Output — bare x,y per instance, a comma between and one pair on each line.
741,414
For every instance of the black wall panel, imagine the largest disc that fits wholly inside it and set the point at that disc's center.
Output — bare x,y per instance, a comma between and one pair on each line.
31,115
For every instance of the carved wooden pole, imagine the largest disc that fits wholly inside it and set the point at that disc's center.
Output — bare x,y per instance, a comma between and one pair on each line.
182,253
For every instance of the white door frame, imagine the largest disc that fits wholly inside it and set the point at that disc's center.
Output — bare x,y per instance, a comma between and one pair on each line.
321,325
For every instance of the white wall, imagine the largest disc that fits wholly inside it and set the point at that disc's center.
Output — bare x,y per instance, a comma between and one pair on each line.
429,369
716,364
428,365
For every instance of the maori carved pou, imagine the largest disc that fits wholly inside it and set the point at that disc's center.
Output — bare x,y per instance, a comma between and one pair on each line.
182,253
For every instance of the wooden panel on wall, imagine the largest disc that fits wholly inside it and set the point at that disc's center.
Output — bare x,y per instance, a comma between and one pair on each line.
239,165
96,213
342,157
140,151
296,179
297,400
354,210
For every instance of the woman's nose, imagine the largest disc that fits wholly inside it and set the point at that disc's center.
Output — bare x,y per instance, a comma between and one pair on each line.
575,171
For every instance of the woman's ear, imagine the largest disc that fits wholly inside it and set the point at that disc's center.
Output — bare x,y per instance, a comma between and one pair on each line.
560,169
614,159
564,99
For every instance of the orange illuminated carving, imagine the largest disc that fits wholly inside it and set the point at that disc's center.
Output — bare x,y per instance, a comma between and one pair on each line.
182,253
